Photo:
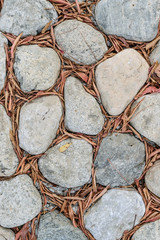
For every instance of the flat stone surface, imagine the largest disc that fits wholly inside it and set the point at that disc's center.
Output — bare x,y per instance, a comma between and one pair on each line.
6,234
38,123
3,40
146,118
131,19
119,78
8,158
118,210
78,46
70,167
36,68
82,112
26,16
56,226
126,154
149,231
20,201
155,55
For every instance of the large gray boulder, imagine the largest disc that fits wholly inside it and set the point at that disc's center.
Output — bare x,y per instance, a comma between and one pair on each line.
3,40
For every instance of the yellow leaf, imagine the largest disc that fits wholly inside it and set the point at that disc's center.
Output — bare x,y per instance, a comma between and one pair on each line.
64,147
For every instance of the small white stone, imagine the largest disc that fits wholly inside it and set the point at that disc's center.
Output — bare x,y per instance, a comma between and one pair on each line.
6,234
155,55
3,40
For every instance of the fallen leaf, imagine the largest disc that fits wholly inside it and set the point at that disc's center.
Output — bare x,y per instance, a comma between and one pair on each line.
150,89
13,48
46,27
83,76
64,147
153,43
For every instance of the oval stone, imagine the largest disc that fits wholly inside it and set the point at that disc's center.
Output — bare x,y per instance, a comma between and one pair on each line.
3,40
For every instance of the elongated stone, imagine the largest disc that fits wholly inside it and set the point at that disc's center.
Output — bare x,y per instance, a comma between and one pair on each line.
155,55
3,40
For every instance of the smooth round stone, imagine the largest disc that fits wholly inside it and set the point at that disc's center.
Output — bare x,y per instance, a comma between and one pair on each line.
80,42
8,158
36,68
127,156
118,210
38,123
155,55
68,168
119,79
82,112
56,226
131,19
146,118
3,40
6,234
20,201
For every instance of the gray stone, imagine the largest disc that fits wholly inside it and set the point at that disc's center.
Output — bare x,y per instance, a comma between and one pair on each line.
120,78
78,46
155,55
68,164
8,158
146,118
118,210
127,156
132,19
6,234
56,226
38,124
149,231
36,68
3,40
20,201
26,16
82,112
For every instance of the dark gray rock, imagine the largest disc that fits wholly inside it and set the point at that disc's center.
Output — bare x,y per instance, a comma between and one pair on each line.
3,40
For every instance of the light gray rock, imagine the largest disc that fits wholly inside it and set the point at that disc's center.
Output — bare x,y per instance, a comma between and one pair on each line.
146,118
118,210
38,124
36,68
3,40
155,55
82,112
8,158
68,168
132,19
6,234
26,16
120,78
127,156
56,226
20,201
149,231
78,46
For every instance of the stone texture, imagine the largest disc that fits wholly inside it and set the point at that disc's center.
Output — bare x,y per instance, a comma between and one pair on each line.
120,78
70,168
146,118
26,16
78,46
56,226
118,210
149,231
155,55
20,201
6,234
38,124
8,158
126,153
36,68
132,19
82,112
3,40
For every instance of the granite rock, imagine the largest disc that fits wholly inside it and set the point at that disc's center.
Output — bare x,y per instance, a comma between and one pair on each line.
155,55
3,40
6,234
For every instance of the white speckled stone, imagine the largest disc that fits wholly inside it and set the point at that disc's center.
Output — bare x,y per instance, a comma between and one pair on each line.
20,201
155,55
36,68
119,78
6,234
82,112
3,40
118,210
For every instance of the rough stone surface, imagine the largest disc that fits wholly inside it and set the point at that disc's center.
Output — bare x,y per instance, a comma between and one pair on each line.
120,78
20,201
36,68
56,226
6,234
8,158
82,112
131,19
78,46
146,118
3,40
118,210
39,121
70,168
155,55
149,231
126,154
26,16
